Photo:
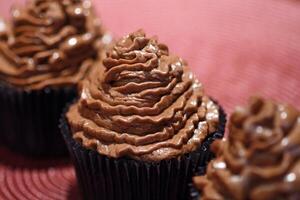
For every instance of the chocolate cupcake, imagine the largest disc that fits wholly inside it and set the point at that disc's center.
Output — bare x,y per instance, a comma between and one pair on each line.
142,124
49,46
260,159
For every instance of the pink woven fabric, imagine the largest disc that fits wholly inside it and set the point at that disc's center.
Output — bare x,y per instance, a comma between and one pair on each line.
236,48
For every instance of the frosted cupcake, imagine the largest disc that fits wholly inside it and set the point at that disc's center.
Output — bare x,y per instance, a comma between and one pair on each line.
46,49
260,160
141,125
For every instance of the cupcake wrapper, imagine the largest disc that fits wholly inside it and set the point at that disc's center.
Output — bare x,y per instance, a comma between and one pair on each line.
200,169
29,119
102,177
194,193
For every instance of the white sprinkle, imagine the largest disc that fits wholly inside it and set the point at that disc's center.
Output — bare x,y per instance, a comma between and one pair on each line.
259,129
78,11
202,125
87,4
196,85
87,36
55,55
210,104
290,177
106,39
173,67
281,107
285,142
235,178
211,116
2,26
196,131
160,151
240,109
30,62
83,95
219,165
178,63
151,47
194,102
72,41
86,123
16,13
283,115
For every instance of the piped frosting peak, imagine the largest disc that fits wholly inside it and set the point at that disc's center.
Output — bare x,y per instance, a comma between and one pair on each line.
49,42
260,159
142,103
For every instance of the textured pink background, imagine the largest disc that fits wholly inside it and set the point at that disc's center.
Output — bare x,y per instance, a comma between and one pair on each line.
236,48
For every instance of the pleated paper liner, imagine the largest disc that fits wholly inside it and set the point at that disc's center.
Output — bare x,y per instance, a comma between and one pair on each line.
200,171
29,119
194,193
101,177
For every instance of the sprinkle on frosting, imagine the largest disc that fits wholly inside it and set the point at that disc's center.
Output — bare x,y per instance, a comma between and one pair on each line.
260,160
143,103
48,43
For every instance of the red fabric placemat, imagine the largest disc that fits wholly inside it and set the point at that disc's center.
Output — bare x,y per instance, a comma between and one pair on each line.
25,178
236,48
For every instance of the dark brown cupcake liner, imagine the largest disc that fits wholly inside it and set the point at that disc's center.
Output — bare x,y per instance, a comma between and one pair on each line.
194,193
200,169
29,119
102,177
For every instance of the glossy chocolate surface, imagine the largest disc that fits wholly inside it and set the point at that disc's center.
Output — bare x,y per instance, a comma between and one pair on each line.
143,103
260,160
49,43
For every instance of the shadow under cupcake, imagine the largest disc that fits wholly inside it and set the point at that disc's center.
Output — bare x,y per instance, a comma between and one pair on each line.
48,47
141,125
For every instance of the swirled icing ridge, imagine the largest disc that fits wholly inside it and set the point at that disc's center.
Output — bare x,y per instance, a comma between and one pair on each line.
142,103
48,43
260,160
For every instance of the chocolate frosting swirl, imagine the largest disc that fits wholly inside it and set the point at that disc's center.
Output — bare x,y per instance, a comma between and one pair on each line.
142,103
49,43
260,160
